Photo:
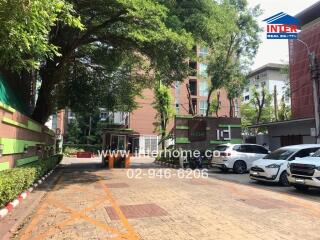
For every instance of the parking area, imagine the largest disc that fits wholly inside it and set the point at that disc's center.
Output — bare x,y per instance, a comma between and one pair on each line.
312,194
87,201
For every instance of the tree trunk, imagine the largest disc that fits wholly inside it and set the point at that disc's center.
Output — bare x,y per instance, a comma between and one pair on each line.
218,104
44,105
163,130
230,107
275,102
209,102
191,109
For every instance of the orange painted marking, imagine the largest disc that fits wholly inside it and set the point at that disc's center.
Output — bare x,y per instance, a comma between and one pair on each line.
76,215
122,217
34,222
88,219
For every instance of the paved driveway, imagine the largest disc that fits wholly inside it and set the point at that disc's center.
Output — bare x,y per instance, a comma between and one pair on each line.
312,194
88,202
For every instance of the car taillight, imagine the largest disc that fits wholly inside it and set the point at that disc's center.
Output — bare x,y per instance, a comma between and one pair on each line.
224,154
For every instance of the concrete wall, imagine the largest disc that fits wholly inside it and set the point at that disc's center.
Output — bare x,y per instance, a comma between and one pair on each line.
288,129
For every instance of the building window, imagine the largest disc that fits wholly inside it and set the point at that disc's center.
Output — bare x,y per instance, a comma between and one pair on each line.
203,107
203,52
54,121
177,107
247,98
177,88
193,87
103,116
203,70
203,88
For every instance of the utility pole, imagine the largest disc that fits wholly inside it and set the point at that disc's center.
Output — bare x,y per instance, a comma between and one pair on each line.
275,102
315,85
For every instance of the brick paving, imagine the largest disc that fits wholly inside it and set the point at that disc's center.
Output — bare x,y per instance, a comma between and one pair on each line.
94,203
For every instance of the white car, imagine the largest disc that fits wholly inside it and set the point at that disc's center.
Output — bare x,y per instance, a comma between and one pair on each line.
305,172
238,157
273,167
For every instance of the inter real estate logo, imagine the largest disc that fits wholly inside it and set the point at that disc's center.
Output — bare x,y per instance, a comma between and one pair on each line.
282,26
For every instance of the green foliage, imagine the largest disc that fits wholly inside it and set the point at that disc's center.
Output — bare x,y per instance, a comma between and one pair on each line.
215,105
71,151
25,27
258,110
284,112
230,57
73,133
163,104
16,180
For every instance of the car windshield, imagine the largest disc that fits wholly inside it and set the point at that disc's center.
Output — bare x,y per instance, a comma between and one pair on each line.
316,154
280,154
221,148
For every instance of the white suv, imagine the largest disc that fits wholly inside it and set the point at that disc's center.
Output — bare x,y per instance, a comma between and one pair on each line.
305,172
238,157
273,167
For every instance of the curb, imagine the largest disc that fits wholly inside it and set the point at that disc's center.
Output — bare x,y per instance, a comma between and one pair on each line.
10,206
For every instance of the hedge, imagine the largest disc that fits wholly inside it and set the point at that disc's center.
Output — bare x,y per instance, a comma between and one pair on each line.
84,147
16,180
73,148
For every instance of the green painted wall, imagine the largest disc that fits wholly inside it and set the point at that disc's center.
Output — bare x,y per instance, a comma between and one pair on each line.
8,98
31,125
13,146
25,161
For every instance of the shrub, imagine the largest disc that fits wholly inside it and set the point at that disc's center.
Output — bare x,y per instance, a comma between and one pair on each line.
16,180
74,148
70,151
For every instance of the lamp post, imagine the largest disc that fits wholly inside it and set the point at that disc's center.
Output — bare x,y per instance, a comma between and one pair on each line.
315,85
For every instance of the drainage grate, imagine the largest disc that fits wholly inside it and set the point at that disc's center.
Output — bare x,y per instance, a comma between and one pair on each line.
137,211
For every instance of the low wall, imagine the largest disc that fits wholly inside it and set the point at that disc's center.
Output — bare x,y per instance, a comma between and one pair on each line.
205,133
22,140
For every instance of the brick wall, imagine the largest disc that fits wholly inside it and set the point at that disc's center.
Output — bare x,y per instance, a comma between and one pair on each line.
22,140
300,79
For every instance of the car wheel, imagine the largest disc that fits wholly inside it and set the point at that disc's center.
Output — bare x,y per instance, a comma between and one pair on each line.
301,188
284,179
240,167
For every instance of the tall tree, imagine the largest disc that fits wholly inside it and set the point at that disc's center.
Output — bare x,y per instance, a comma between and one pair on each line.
261,101
258,110
238,47
138,26
234,87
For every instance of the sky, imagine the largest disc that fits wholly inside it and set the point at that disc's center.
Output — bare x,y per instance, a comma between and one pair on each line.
275,51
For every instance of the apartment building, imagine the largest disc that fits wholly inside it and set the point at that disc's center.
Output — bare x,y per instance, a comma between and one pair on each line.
269,76
301,128
141,120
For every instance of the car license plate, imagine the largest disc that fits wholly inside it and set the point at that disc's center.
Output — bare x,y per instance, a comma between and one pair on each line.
299,180
255,173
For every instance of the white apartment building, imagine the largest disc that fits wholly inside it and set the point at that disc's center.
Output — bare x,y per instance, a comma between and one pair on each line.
270,76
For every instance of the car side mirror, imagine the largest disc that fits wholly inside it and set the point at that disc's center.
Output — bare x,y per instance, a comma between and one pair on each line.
310,154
